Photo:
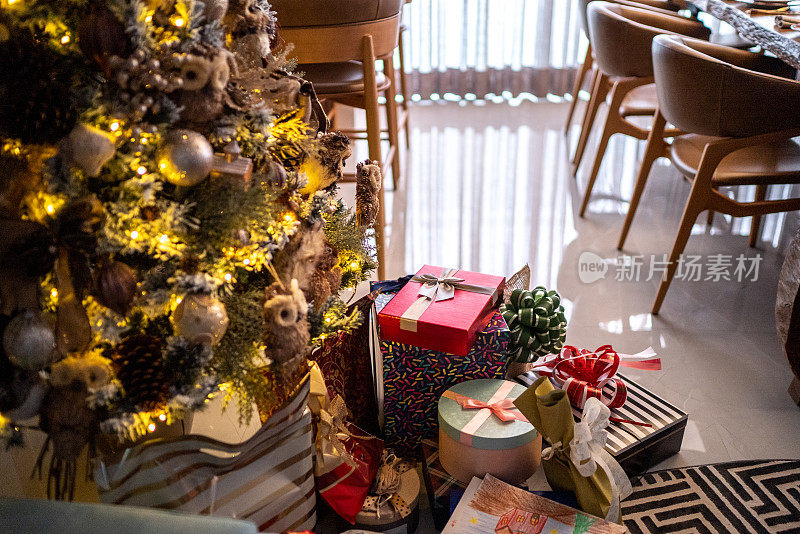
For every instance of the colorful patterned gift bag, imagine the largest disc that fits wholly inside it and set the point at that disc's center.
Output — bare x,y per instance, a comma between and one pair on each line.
267,479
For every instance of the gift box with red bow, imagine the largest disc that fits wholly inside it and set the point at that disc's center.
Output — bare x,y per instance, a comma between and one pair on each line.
644,428
441,309
481,431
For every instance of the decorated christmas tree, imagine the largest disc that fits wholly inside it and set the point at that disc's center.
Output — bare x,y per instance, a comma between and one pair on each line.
169,221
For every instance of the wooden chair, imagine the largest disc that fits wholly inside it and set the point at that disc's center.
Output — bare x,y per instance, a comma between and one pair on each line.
622,38
340,61
739,112
601,85
587,67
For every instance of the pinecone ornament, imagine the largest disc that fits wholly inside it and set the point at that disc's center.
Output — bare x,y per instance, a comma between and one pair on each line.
35,88
139,364
368,189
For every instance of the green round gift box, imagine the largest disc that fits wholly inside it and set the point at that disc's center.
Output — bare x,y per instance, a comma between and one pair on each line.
510,451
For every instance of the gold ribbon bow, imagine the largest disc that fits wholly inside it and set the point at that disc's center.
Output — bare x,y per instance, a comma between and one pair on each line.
332,429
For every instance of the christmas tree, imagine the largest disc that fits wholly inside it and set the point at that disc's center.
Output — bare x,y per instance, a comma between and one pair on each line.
169,223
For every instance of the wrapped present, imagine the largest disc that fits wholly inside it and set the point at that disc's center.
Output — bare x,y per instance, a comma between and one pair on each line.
409,380
481,431
584,373
444,492
393,500
267,479
346,364
644,429
442,309
576,459
347,458
441,488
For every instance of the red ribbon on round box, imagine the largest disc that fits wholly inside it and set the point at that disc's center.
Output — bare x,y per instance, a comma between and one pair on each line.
584,374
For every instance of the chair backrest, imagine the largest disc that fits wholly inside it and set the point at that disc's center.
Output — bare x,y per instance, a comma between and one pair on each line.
342,42
304,13
622,36
665,7
710,89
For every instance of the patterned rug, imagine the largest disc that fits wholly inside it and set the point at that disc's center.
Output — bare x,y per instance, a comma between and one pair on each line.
751,496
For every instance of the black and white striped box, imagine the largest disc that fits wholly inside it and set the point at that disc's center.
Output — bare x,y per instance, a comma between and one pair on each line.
636,447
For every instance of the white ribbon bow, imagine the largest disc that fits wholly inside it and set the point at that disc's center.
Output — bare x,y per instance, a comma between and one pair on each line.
438,288
587,452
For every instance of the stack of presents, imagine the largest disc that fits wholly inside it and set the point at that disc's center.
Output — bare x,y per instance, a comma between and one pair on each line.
433,374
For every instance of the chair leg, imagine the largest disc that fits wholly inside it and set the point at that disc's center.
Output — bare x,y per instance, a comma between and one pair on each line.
755,226
699,200
599,92
580,76
374,144
655,149
404,87
610,127
694,207
391,119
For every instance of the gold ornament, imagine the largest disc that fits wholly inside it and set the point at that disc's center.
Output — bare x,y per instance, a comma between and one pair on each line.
29,341
186,158
200,318
88,149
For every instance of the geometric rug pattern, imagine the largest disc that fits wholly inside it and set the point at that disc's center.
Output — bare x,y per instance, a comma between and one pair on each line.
748,496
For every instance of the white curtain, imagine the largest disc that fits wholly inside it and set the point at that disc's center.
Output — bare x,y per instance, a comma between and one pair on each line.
474,48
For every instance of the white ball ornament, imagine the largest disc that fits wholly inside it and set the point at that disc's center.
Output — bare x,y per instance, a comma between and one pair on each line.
186,158
200,318
29,342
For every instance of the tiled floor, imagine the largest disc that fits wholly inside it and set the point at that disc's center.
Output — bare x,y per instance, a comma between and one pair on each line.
488,187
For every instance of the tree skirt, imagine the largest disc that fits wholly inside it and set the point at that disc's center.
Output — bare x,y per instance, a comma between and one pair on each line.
750,496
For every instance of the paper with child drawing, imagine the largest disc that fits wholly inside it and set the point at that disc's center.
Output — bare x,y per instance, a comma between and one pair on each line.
492,506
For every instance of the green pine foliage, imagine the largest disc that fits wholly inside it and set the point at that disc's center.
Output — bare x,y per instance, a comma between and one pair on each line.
225,236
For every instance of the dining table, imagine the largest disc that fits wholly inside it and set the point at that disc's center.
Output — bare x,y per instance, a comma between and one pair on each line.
757,26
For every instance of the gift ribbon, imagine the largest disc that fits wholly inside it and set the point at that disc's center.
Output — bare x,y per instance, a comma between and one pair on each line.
536,322
499,405
436,289
584,374
332,428
587,452
387,488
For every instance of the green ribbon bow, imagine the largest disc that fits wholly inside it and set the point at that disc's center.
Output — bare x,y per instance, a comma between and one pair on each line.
536,321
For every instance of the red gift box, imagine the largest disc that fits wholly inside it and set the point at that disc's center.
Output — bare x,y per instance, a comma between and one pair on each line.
445,325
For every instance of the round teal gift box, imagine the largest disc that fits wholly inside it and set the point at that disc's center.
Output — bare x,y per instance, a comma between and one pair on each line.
475,440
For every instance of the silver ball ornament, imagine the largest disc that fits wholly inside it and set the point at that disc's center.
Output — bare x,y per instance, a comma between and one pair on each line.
186,158
200,318
88,149
29,342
